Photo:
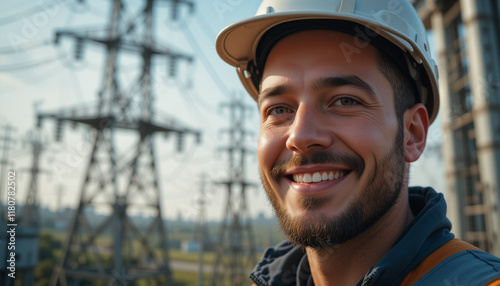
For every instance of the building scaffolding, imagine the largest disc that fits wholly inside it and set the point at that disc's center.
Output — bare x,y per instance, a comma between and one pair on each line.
467,38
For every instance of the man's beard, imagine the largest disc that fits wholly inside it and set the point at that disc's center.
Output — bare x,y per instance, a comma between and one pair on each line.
320,231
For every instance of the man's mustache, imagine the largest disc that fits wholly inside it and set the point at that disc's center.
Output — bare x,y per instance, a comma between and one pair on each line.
353,162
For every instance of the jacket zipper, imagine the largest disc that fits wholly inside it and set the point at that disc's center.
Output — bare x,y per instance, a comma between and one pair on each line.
256,281
367,280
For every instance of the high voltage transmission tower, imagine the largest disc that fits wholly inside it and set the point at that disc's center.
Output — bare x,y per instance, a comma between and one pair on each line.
6,178
28,226
119,181
235,250
201,231
24,224
30,214
5,145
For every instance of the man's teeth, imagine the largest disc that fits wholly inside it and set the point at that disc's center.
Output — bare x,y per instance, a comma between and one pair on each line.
317,177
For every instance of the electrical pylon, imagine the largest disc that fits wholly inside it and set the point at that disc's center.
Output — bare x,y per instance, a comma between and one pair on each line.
119,181
235,249
6,140
28,228
5,143
30,215
201,229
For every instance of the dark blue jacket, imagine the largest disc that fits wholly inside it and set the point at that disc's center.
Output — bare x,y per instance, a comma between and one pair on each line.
286,264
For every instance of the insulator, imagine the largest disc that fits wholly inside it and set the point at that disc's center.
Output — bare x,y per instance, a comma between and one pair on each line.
180,142
59,126
38,122
191,8
73,123
175,10
79,49
198,138
56,39
130,28
172,68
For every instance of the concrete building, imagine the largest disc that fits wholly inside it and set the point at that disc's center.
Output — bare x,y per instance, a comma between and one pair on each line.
467,40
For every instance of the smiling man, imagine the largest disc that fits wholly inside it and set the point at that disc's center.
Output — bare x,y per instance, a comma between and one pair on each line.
346,91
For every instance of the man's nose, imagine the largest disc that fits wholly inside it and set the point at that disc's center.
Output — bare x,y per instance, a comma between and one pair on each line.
309,131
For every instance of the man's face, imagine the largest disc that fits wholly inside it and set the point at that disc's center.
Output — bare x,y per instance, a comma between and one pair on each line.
330,152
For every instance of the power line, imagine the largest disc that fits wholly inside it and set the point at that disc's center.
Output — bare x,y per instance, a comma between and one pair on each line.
36,78
203,23
17,16
28,65
24,48
213,74
191,101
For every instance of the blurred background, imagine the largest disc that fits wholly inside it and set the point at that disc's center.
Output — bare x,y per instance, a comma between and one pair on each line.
132,145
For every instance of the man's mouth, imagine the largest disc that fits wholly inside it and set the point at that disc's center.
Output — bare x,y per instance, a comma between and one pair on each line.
317,177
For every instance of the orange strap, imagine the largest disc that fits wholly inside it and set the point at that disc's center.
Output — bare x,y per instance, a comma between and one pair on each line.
451,247
494,282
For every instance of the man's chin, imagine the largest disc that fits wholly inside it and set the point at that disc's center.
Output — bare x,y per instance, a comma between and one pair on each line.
308,233
316,226
308,229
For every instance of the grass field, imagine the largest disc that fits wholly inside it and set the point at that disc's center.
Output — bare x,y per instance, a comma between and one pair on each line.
264,236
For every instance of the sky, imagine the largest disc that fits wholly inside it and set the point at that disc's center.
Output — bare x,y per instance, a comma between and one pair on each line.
37,74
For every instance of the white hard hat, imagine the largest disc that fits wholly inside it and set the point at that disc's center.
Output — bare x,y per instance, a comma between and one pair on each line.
394,21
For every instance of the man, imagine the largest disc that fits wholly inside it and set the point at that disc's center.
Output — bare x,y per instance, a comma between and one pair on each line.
346,91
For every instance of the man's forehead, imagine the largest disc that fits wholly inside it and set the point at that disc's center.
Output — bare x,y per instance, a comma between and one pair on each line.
329,49
344,47
323,36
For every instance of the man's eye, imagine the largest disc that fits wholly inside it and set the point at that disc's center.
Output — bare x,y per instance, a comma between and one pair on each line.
278,110
346,101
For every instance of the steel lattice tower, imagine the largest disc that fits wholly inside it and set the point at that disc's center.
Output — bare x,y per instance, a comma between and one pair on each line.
30,215
201,232
118,250
5,140
5,144
235,249
29,223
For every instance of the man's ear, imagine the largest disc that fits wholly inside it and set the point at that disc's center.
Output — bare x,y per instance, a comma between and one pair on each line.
416,125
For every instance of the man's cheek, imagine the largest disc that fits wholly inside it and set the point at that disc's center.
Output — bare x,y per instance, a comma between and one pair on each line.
266,149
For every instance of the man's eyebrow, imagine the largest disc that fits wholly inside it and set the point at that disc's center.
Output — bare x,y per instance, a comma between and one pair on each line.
322,83
350,80
272,91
